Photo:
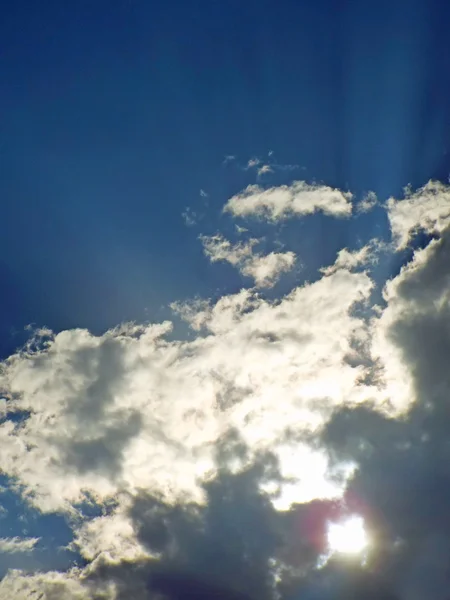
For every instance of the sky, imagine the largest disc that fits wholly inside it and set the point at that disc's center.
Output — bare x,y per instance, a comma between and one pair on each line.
224,318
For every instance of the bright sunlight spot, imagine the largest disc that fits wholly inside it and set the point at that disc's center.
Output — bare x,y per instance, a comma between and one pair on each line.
348,537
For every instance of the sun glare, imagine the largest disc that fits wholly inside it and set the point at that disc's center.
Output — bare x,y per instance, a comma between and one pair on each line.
347,537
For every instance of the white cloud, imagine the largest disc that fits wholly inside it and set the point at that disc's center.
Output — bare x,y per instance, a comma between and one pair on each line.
347,259
111,537
427,209
253,162
128,409
264,169
16,544
217,248
367,203
47,586
264,269
300,198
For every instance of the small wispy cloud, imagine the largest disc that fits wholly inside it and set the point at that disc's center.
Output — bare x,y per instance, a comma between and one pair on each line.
264,170
368,202
15,545
228,159
347,259
253,162
190,217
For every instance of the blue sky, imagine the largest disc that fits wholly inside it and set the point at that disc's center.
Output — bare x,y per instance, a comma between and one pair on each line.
237,169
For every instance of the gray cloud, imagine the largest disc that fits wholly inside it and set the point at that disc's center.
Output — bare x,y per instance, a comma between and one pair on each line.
402,482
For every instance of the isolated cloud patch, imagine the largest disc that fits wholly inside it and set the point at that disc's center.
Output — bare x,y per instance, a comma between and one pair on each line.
284,201
264,269
217,248
15,544
346,259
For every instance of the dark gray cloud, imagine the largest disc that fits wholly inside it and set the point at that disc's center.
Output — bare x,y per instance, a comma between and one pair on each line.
402,483
236,546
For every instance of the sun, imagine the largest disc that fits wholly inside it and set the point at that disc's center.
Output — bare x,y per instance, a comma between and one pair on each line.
347,537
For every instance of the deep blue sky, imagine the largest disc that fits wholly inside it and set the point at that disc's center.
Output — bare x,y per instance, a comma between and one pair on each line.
116,114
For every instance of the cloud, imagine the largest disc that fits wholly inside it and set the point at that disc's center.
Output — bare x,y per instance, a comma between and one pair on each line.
190,217
427,209
369,202
264,170
133,409
347,259
213,463
109,537
299,198
15,544
48,586
253,162
264,269
402,482
217,248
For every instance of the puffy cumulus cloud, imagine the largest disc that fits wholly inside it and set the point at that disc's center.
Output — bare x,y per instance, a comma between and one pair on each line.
109,413
264,269
426,209
284,201
216,462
